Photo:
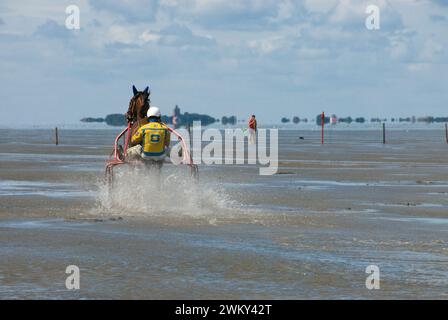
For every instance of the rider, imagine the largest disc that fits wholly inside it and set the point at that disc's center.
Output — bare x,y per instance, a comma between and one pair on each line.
154,138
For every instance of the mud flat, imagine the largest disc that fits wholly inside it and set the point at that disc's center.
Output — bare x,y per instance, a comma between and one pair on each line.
308,232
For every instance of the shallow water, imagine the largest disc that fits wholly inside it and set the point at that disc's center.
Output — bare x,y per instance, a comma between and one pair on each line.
308,232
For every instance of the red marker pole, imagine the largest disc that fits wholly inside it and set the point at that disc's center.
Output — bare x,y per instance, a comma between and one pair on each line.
323,124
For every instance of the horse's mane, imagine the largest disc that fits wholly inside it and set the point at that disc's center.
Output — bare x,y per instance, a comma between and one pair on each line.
138,107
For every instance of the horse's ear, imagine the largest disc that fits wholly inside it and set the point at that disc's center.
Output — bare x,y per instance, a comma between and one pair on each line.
134,89
146,91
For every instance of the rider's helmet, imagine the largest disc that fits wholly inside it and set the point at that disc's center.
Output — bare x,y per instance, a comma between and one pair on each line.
154,112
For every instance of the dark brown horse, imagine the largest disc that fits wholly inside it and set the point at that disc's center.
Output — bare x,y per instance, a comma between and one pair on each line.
138,108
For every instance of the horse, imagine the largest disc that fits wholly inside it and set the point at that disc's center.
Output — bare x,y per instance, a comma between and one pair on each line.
137,117
138,108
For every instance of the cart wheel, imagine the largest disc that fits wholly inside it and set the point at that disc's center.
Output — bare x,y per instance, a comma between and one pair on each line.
121,154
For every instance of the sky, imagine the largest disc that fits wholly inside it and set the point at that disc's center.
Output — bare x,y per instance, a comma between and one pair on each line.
272,58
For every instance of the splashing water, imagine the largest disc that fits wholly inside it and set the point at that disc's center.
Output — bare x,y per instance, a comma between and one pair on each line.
136,192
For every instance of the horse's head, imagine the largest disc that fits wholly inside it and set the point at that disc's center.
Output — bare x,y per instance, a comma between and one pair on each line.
139,105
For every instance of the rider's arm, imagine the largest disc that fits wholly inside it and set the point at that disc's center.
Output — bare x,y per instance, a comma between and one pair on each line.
137,137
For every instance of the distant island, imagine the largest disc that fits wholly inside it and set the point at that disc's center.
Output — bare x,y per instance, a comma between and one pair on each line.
116,119
178,119
333,119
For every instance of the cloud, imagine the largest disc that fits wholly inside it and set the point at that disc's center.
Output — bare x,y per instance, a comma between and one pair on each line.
2,22
321,6
268,45
181,35
234,15
122,34
441,2
52,29
128,10
432,51
438,18
95,23
177,35
149,36
120,46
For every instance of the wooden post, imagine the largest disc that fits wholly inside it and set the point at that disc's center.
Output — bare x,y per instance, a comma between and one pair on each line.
323,124
56,136
446,132
384,133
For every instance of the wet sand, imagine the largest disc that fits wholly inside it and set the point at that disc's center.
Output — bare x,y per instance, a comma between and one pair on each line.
308,232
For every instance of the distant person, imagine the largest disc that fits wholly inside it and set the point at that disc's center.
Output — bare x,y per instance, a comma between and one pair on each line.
252,130
153,141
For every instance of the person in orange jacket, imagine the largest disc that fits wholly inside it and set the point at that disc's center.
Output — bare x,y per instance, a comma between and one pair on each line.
252,129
